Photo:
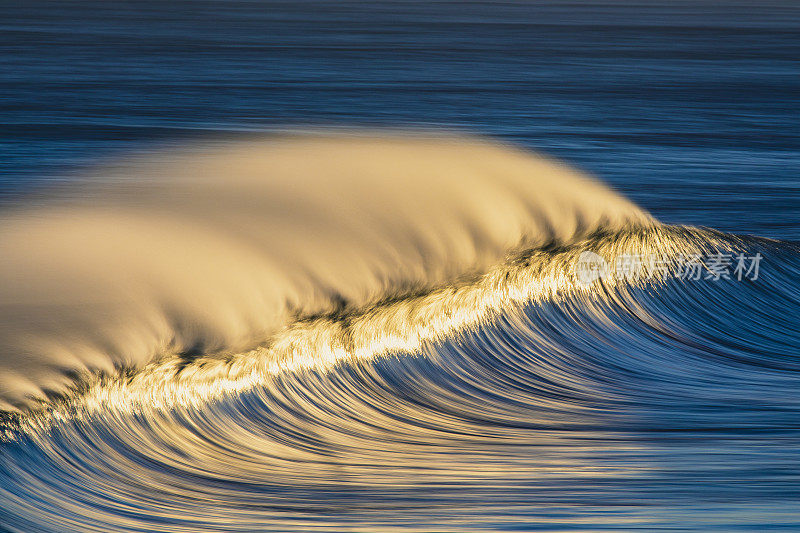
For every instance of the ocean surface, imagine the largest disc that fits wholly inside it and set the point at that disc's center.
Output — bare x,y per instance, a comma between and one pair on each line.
311,266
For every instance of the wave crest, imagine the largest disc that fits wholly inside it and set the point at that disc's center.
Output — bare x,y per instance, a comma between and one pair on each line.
179,263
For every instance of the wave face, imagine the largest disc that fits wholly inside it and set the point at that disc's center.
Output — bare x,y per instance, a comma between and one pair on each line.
367,334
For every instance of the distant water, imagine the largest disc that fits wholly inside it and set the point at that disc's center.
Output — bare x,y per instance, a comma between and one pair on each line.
393,333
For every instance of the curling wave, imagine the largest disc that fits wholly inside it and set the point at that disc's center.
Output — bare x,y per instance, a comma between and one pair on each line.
396,333
190,259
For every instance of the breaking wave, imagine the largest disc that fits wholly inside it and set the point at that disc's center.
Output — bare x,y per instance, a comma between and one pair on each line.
396,332
206,259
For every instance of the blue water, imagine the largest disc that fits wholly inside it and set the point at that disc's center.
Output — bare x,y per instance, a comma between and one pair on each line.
689,108
673,407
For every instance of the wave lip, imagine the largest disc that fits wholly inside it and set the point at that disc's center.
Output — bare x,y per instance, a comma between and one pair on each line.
183,261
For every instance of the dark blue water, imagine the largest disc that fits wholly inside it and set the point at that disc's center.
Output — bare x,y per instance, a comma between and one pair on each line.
668,406
690,108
